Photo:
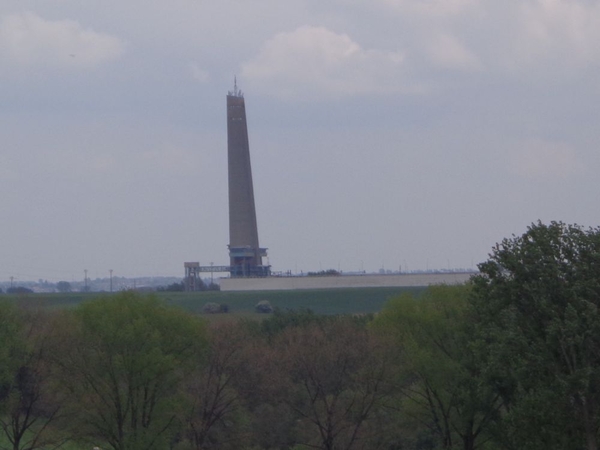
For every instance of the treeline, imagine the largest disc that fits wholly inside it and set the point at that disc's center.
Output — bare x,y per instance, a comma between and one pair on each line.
509,361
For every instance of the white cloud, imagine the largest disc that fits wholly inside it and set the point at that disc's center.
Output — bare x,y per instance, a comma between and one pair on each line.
557,29
314,61
539,159
29,39
437,8
199,74
545,40
447,52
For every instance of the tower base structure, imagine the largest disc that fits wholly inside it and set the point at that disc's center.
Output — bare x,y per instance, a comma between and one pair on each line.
247,262
242,267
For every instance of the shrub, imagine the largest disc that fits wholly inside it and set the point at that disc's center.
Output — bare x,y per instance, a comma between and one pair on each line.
215,308
264,307
211,308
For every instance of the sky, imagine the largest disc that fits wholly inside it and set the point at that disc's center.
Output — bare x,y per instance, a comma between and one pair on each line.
412,134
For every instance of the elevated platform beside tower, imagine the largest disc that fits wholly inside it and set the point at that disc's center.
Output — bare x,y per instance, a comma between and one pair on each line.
277,283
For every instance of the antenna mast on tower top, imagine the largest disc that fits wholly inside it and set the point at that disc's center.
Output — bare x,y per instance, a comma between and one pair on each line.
236,92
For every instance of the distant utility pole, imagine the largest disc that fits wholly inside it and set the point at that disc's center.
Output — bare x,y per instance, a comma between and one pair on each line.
211,274
11,281
110,280
85,286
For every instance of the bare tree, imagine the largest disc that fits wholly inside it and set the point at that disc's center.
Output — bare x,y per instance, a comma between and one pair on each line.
214,397
31,404
337,378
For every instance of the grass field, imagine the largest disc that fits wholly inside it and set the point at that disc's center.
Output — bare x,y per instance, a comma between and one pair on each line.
322,301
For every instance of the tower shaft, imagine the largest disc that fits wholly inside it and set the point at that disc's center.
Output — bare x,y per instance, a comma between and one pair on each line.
244,251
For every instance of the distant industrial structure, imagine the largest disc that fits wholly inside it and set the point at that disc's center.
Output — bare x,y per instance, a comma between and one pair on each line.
245,254
246,268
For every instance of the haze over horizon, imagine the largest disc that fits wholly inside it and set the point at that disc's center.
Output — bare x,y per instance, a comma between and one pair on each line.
413,133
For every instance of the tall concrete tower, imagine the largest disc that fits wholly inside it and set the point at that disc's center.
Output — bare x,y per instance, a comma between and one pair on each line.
244,252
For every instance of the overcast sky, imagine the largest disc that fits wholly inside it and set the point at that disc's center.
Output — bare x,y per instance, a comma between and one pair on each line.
383,133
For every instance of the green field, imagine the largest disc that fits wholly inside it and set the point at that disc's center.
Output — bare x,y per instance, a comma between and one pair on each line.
320,301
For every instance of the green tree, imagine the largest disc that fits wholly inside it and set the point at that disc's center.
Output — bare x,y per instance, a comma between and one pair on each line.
536,301
123,359
11,345
175,287
63,286
449,394
31,405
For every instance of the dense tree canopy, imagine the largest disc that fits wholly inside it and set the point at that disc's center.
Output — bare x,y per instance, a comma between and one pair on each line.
536,303
123,358
448,394
63,286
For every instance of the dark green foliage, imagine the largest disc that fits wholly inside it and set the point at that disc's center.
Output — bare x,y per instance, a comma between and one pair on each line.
174,287
63,286
19,290
324,273
536,304
449,393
